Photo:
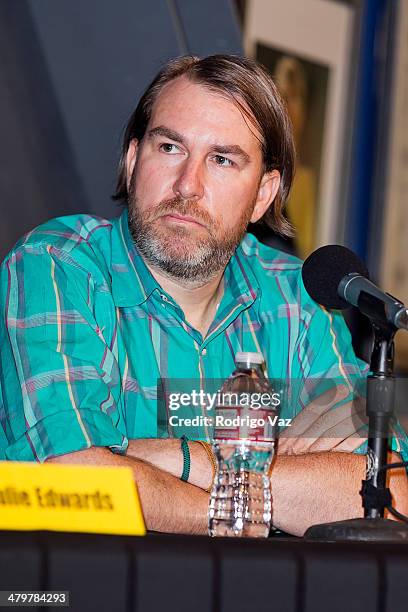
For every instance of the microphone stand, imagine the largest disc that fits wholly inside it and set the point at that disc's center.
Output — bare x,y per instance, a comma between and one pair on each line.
380,411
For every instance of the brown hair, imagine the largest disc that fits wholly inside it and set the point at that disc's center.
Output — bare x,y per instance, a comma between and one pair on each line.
252,89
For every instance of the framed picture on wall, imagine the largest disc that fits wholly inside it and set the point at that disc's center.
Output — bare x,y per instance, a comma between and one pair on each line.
307,46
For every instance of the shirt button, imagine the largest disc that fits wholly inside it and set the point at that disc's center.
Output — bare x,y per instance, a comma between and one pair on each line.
164,298
204,352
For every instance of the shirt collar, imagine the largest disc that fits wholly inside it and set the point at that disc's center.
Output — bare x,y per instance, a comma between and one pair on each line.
239,277
133,283
241,289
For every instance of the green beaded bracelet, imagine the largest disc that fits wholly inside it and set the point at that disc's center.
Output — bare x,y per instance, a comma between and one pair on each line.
186,458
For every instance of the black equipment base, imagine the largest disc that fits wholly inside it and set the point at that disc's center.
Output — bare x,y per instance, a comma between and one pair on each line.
359,530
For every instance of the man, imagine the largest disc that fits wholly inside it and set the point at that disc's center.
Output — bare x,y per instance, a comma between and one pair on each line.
95,311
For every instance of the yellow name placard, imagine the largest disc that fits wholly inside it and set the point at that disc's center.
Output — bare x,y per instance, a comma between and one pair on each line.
69,498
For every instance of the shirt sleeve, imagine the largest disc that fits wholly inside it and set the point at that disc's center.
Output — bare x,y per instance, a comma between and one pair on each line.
324,355
59,379
326,359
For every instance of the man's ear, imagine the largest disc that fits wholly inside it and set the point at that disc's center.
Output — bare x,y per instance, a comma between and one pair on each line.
131,157
267,190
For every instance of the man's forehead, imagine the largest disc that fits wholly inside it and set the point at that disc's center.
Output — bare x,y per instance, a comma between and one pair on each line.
183,98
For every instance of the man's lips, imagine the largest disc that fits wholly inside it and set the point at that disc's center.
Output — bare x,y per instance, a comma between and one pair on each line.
176,218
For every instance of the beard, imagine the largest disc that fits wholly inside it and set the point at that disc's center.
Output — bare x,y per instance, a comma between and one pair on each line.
188,253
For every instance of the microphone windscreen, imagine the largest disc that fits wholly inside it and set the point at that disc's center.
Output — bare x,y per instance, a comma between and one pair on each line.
325,268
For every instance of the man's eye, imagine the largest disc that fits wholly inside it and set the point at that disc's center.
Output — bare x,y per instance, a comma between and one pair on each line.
223,161
167,147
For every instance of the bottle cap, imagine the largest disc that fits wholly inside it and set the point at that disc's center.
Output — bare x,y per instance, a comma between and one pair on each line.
248,358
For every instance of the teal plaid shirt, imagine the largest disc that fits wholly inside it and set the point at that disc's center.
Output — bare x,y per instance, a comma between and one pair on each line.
86,332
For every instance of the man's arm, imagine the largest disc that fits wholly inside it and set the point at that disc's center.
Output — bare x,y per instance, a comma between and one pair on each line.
307,489
166,455
324,487
168,504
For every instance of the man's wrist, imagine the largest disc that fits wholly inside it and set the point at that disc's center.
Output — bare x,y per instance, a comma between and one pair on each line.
186,459
209,452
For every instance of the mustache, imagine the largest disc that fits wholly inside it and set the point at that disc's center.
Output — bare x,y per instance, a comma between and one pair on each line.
184,208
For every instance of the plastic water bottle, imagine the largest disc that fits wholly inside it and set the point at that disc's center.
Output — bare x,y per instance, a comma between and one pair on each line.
245,432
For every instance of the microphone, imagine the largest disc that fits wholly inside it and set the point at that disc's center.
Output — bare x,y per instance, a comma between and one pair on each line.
336,278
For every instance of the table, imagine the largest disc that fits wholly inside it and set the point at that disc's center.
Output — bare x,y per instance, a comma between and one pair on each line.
199,574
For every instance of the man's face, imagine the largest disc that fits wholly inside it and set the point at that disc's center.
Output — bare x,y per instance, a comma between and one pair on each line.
195,182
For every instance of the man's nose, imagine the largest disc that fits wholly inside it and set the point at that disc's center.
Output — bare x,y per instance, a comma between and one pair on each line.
189,183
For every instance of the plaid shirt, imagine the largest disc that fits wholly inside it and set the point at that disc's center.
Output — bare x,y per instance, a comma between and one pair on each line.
86,333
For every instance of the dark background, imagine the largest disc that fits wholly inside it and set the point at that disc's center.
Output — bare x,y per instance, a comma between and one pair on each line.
71,72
